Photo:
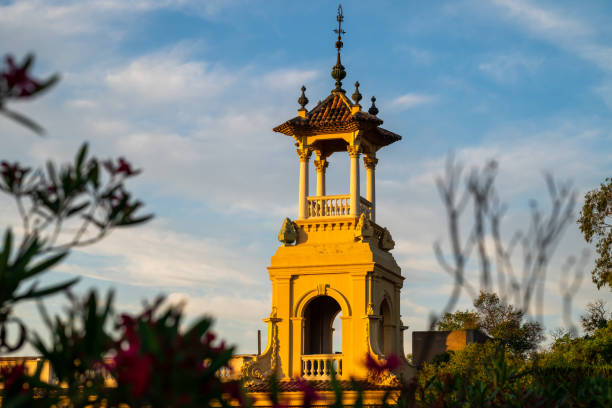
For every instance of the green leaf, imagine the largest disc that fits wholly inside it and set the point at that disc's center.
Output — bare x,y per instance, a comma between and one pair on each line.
81,155
31,293
44,265
53,79
52,173
6,251
23,120
91,219
199,328
53,206
149,341
109,304
26,254
27,63
80,158
77,208
133,221
337,389
94,174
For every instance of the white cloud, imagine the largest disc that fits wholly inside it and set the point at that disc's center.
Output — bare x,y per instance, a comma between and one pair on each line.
605,92
572,34
541,20
288,79
509,67
164,79
236,306
569,33
411,100
156,256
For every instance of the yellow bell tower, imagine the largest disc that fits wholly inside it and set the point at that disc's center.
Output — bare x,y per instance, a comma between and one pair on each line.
334,258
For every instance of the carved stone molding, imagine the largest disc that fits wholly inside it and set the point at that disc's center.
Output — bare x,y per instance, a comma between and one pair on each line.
370,162
353,151
321,165
304,153
370,310
388,379
264,365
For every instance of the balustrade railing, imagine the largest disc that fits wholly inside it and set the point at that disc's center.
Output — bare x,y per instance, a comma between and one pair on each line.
365,207
335,206
319,366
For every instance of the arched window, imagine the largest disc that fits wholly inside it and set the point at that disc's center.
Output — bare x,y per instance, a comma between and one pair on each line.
385,329
319,317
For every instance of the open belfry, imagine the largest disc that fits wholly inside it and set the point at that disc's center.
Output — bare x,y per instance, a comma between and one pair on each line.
334,257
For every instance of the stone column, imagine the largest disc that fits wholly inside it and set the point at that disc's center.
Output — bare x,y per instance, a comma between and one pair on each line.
355,196
370,165
304,154
321,164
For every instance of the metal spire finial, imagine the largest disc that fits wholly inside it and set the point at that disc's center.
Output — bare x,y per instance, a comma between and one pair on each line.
303,100
339,30
338,72
373,109
356,96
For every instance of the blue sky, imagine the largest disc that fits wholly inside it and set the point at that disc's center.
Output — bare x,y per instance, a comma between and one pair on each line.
190,90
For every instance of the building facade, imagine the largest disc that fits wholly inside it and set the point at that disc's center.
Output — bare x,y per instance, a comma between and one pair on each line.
334,258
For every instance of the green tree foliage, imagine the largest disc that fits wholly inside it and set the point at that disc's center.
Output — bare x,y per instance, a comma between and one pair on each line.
593,352
487,375
460,320
501,321
595,222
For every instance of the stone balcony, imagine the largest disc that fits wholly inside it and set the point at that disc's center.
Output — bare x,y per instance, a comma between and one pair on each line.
335,206
319,366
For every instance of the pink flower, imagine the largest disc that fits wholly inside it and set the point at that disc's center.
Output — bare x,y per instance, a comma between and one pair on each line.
8,168
126,168
118,197
233,389
122,167
377,369
17,78
392,362
13,172
13,375
134,370
220,348
310,394
210,337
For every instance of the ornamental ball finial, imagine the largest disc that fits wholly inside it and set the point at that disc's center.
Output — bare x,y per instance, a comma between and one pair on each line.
356,95
303,100
373,109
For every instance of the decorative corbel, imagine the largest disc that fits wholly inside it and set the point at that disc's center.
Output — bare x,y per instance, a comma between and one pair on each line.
386,243
364,228
288,233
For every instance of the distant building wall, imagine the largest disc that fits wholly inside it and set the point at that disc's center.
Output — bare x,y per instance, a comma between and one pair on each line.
428,344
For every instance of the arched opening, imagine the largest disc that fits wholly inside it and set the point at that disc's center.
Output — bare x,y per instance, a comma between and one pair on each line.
319,317
385,329
337,334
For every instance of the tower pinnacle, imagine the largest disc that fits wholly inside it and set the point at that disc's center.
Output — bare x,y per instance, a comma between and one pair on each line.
338,72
